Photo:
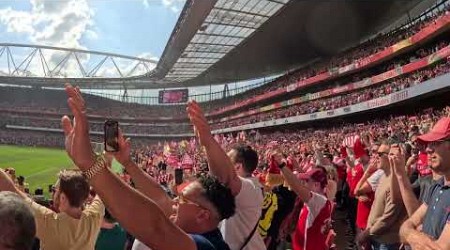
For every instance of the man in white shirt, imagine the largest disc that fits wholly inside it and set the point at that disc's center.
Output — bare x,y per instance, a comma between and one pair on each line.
235,171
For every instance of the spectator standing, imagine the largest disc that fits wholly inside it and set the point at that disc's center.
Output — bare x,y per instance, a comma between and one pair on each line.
17,228
235,170
388,211
434,213
112,236
73,227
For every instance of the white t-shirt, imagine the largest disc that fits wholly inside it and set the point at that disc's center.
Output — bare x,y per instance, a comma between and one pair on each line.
137,245
374,179
236,229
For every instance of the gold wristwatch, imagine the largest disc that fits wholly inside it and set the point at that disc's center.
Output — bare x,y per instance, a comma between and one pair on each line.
98,166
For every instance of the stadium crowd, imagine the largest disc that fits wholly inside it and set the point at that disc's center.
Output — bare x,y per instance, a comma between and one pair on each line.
360,52
252,190
50,101
389,175
358,96
354,96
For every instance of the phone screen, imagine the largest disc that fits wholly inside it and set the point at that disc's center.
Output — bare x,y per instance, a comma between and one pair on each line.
111,136
178,176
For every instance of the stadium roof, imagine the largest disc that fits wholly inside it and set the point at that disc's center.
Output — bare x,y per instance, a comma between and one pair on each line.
220,41
245,39
226,25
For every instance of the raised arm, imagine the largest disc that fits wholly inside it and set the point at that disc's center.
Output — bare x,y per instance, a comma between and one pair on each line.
141,216
41,214
219,163
401,181
363,187
294,183
144,182
137,214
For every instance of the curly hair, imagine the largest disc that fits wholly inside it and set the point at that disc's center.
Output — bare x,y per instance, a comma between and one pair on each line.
219,195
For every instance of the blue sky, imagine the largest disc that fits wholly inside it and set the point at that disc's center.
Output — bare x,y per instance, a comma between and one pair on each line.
137,28
130,27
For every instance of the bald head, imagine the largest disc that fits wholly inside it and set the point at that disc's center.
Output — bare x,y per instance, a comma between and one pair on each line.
17,226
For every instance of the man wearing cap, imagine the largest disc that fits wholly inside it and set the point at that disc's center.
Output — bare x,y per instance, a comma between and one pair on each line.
314,221
434,213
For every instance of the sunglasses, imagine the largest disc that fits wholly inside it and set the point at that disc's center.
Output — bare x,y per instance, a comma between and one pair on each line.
181,199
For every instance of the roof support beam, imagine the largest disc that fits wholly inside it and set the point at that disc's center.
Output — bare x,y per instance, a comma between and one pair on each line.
214,44
220,35
233,25
242,12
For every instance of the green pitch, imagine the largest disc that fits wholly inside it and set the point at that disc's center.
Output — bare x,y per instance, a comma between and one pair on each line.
39,166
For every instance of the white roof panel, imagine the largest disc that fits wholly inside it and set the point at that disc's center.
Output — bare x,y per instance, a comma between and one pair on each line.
228,24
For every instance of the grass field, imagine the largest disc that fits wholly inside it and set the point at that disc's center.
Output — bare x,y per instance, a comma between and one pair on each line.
39,166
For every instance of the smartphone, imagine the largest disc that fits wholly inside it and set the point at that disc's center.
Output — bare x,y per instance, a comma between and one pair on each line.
178,176
111,136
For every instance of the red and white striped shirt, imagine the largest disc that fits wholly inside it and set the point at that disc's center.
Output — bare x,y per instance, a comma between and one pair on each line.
313,224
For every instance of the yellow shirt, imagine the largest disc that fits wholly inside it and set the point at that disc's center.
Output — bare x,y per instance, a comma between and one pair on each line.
58,231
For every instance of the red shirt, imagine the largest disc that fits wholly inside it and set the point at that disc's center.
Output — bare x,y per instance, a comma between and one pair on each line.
353,176
341,172
314,223
363,211
422,165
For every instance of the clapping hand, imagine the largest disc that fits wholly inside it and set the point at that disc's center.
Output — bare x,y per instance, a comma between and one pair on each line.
397,160
201,126
77,142
6,183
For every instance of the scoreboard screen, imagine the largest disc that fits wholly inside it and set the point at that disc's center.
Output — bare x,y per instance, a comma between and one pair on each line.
173,96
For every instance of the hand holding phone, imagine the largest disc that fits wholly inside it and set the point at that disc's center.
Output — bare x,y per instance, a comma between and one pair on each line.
178,176
111,136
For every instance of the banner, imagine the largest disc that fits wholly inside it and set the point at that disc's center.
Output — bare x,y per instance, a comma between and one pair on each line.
387,75
398,71
402,44
431,28
291,87
438,83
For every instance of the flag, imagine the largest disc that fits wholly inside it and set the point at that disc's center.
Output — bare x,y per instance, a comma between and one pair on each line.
350,141
187,162
166,149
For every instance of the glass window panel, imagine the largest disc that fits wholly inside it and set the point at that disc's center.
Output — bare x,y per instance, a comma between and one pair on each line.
251,6
234,31
274,9
239,5
259,6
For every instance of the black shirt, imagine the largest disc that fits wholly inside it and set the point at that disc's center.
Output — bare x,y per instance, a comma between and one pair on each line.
210,241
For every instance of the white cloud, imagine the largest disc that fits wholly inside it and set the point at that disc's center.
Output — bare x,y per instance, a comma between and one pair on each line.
148,55
174,5
57,23
54,23
63,24
127,66
146,3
